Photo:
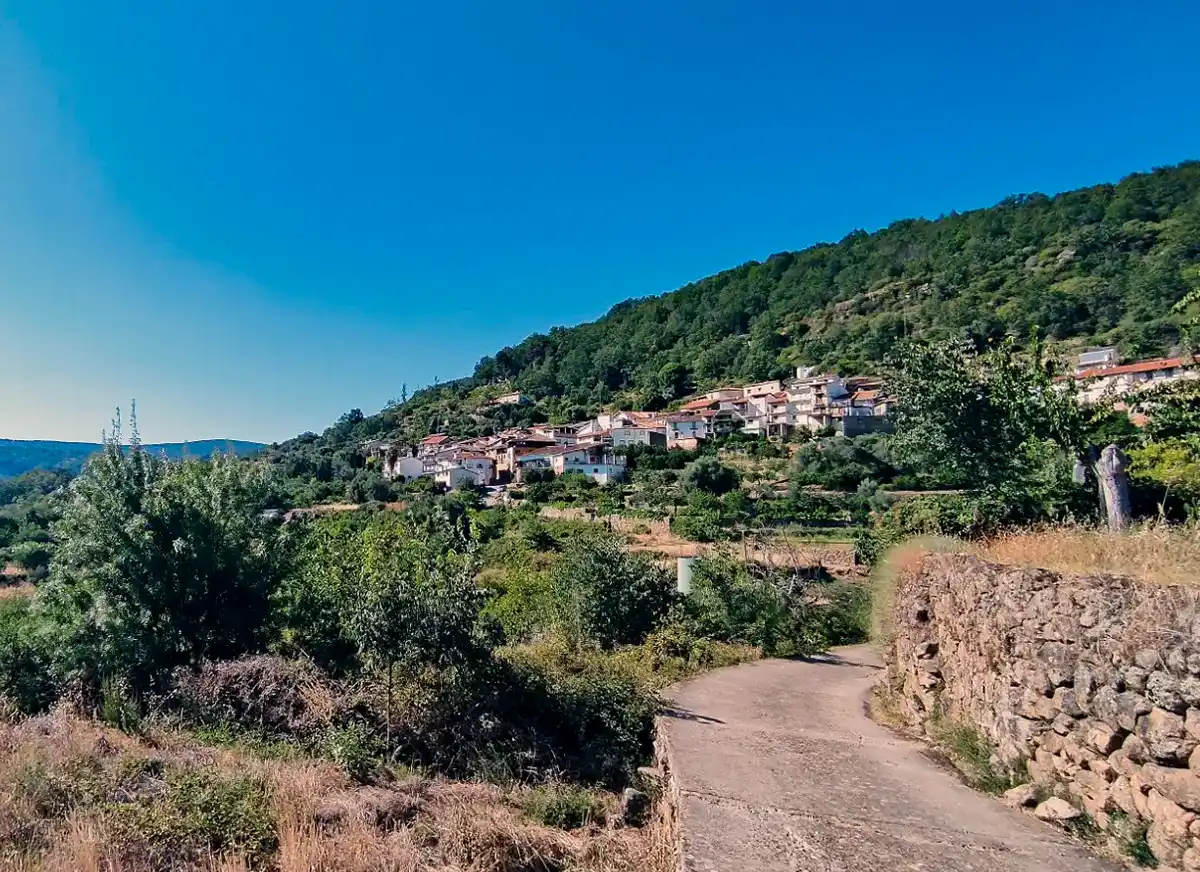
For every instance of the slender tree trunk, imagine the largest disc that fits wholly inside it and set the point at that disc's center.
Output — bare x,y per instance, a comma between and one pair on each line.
388,731
1112,470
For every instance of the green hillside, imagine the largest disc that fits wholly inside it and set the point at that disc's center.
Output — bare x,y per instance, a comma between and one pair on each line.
18,456
1101,265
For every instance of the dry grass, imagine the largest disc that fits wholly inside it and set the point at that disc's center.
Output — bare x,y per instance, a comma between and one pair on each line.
15,591
1155,553
67,786
899,560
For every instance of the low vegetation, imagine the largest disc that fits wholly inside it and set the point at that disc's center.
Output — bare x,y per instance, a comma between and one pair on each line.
195,685
1152,552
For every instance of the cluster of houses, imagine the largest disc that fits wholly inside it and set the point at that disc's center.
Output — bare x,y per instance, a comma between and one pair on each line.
774,409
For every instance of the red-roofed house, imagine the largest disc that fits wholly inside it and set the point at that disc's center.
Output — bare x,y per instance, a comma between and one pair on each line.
1110,381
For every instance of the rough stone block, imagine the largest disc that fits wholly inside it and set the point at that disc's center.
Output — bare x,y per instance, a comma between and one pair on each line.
1066,702
1052,742
1103,768
1162,690
1077,752
1189,690
1120,762
1135,678
1060,661
1166,739
1168,839
1135,748
1057,810
1104,738
1122,796
1147,658
1180,786
1021,796
1191,723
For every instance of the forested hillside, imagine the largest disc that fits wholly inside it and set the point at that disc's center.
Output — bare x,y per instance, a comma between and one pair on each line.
1101,265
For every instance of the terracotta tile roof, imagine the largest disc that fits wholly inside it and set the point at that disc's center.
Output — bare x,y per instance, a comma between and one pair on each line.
435,439
1139,366
702,403
865,395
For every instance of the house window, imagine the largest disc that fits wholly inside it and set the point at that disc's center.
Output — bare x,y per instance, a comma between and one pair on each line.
594,469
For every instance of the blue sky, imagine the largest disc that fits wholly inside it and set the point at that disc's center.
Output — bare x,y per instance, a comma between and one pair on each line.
252,216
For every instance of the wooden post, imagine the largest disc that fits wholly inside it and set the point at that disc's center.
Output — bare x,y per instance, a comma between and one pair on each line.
1112,470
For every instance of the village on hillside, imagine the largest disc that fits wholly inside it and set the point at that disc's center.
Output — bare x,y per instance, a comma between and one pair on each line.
776,409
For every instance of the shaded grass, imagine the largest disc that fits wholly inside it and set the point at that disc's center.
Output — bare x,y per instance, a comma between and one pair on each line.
971,754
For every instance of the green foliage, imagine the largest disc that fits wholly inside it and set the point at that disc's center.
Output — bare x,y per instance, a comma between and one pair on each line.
26,669
160,565
354,746
776,610
965,419
1172,409
606,595
382,588
970,752
709,475
842,464
203,813
563,806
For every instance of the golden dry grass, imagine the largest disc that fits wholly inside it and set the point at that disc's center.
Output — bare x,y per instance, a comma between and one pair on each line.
61,777
13,591
1154,553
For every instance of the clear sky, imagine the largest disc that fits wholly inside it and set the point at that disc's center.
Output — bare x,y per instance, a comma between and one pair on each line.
253,216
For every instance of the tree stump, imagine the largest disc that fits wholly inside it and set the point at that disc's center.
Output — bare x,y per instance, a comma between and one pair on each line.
1113,472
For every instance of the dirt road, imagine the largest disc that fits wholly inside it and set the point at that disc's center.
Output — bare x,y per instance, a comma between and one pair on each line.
780,770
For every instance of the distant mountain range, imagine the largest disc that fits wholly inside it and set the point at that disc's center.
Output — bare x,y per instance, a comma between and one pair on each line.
18,456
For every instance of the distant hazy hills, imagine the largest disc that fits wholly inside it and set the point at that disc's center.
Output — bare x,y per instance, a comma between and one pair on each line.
18,456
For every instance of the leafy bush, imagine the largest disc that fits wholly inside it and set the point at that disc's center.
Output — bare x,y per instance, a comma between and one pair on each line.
27,678
203,813
709,475
605,594
182,542
779,611
563,806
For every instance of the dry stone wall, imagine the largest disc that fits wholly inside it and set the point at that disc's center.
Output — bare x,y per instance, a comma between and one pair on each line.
1092,683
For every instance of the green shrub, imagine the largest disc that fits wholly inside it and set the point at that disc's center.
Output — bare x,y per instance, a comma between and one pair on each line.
606,595
777,610
203,812
563,806
354,746
27,677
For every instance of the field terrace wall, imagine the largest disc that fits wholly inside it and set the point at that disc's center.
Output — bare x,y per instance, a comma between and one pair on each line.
1092,683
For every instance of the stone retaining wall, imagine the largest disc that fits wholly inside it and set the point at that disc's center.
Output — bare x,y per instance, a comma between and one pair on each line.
1092,683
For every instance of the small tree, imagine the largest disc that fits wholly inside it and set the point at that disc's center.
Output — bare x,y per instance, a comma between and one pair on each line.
606,595
159,565
709,475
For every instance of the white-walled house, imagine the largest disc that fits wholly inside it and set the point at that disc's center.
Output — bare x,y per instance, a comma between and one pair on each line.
403,468
1111,382
595,461
762,389
685,426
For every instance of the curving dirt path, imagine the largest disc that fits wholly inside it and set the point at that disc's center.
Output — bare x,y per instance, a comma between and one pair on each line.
778,768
